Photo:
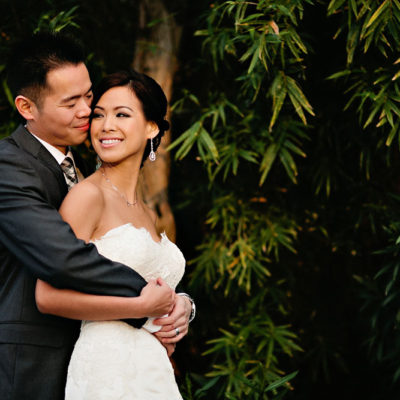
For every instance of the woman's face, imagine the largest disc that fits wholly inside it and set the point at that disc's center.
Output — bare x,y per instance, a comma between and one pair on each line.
119,129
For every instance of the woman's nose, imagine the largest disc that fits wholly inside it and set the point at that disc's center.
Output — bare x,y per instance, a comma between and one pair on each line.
108,124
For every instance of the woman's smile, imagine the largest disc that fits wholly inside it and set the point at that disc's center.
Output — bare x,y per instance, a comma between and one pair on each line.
110,142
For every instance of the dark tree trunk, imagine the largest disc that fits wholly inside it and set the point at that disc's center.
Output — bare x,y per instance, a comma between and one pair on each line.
155,55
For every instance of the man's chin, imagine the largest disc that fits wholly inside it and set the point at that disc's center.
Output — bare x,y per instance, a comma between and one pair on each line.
79,139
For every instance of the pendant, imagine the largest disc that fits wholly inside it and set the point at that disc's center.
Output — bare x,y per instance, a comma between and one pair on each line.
152,156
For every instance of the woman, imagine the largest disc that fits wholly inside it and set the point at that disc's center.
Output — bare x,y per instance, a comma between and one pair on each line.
111,359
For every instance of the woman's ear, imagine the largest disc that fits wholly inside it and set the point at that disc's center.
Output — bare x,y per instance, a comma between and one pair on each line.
152,130
25,107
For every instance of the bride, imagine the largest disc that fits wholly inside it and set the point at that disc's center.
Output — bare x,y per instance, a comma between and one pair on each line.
112,360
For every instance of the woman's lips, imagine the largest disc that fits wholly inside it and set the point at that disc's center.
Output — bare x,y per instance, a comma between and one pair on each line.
110,142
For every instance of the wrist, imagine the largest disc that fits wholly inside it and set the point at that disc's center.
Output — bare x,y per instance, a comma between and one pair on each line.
139,307
192,305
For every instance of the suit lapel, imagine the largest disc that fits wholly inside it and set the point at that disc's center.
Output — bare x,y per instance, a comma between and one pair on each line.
81,164
31,145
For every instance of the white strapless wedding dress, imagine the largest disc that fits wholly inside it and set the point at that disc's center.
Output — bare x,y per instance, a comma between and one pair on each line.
111,359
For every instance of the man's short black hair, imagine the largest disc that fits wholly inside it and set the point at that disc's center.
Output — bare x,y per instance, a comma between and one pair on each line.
35,56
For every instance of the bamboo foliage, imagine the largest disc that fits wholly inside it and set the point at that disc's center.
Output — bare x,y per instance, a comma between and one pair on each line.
254,121
373,33
261,37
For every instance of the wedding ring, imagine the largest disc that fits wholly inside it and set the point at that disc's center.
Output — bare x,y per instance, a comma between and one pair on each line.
177,331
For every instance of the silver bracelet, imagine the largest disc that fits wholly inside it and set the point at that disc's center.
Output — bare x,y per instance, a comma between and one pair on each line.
193,311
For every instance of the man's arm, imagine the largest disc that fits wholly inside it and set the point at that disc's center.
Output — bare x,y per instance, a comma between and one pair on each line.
34,232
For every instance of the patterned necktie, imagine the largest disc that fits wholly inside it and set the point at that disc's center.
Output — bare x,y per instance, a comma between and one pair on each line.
69,171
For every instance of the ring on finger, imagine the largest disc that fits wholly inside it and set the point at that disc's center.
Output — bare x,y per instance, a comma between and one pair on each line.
177,331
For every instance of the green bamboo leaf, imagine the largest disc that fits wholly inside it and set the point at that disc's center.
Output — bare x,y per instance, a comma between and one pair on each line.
280,382
254,61
392,134
185,135
334,5
8,94
222,115
205,138
388,112
185,148
372,115
278,92
339,74
377,13
352,42
353,4
296,92
286,11
268,161
294,148
298,109
250,156
293,50
252,17
296,38
249,52
201,32
289,164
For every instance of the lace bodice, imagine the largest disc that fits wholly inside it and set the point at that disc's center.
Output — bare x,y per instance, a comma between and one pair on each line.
136,248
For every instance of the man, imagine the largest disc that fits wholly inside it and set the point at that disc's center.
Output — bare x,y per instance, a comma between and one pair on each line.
53,94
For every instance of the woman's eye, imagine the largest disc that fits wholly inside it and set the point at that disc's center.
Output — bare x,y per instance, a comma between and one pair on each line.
96,115
124,115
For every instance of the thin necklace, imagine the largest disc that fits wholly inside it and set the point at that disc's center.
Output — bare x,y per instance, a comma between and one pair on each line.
128,203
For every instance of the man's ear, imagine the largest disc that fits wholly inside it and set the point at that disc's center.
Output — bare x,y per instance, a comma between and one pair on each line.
25,107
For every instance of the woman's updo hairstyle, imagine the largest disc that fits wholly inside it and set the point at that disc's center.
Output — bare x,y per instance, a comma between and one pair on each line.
150,95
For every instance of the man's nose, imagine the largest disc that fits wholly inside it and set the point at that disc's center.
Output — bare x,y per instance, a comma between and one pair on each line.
84,109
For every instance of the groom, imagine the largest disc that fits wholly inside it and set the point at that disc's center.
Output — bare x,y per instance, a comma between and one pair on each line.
52,90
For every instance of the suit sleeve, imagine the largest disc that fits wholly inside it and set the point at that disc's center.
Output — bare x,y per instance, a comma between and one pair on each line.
34,232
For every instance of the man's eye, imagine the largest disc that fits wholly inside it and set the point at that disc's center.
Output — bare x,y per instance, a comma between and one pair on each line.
70,105
89,95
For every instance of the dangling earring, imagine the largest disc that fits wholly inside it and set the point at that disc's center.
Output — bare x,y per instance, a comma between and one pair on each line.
152,155
98,162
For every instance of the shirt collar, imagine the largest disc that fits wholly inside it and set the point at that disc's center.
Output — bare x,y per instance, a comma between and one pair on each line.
57,154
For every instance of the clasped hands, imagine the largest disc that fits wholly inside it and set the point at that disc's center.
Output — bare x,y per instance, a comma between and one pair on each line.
160,300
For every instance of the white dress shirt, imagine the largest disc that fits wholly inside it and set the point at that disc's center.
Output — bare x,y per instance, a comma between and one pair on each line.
59,155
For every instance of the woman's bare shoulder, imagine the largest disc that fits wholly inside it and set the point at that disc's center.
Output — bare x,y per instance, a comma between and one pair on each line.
83,206
85,192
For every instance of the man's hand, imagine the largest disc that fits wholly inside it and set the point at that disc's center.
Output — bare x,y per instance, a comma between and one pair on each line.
157,298
176,325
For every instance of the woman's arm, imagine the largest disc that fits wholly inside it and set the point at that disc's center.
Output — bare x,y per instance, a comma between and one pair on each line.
82,209
76,305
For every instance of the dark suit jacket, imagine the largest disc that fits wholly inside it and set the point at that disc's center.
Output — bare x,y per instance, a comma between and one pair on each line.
36,243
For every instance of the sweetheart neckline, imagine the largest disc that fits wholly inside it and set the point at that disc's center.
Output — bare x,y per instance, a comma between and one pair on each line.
129,224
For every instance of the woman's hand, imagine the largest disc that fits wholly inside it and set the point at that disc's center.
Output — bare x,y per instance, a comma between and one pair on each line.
170,347
176,325
158,298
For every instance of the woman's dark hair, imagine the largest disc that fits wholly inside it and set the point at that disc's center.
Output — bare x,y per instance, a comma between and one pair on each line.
150,95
